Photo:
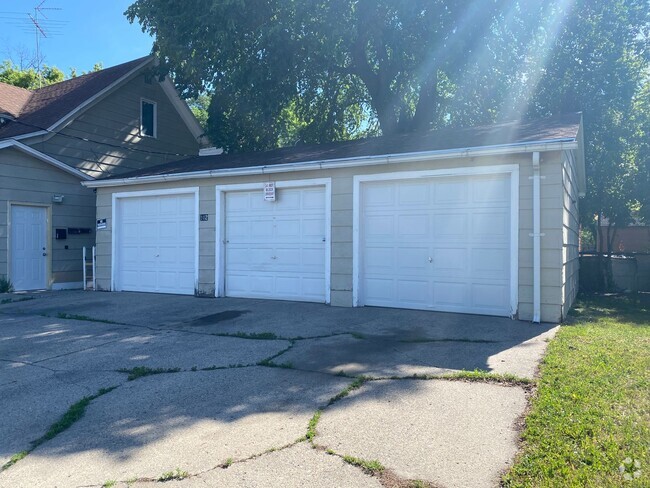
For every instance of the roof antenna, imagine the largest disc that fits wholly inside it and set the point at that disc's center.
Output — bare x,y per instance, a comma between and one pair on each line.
40,31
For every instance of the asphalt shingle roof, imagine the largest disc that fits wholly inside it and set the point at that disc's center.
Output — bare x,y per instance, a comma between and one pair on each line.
45,106
558,128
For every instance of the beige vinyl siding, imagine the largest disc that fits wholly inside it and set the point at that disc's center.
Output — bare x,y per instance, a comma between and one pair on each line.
570,234
551,239
115,121
27,180
342,217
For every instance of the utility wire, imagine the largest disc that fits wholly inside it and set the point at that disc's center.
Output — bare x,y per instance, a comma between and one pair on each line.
117,146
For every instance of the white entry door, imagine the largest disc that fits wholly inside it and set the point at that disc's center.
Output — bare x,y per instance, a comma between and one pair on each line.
276,249
437,244
28,247
155,248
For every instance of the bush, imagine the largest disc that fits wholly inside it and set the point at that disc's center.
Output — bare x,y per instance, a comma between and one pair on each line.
5,285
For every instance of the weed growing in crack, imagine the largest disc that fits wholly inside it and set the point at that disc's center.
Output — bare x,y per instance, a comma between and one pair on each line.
15,300
260,336
227,463
109,484
313,422
355,385
371,467
14,459
74,413
230,366
72,316
270,364
357,335
141,371
173,475
487,377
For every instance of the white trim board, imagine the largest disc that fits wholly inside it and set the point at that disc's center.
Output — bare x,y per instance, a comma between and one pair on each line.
154,193
220,196
511,169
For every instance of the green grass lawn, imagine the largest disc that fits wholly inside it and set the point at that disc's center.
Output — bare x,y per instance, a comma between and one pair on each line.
589,422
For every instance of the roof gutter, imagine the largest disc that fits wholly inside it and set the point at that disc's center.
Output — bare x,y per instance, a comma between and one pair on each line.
467,152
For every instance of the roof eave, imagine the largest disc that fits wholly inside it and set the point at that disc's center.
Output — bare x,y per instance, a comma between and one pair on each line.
515,148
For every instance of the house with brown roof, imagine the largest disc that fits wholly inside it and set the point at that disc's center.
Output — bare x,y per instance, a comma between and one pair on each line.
482,220
106,123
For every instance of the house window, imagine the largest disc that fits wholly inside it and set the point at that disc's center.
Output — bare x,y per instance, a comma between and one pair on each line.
148,118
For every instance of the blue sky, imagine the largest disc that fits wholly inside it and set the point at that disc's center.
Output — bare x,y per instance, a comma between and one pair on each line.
83,33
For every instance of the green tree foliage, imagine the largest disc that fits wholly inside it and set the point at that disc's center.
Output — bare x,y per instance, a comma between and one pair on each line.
319,70
29,78
282,72
597,62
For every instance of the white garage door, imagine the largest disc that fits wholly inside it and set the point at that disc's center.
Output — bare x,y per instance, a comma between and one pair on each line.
156,244
437,244
276,249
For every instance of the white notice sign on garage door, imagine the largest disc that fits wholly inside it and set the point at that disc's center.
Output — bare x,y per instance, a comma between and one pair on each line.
269,191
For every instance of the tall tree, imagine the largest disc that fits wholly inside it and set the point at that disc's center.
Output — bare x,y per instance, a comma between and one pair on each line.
336,68
597,62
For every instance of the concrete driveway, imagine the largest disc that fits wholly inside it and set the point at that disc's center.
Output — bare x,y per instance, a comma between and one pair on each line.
130,389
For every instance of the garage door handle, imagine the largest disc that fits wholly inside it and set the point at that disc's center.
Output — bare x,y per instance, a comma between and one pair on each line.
431,260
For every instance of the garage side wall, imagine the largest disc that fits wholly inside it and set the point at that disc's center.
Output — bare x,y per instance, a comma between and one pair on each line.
342,219
570,233
551,196
26,180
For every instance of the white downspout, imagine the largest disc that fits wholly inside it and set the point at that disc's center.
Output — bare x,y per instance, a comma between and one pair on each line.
537,252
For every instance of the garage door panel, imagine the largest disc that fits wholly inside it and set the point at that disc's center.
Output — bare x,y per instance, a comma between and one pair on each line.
379,195
450,294
491,263
490,296
494,226
437,245
451,191
413,194
413,226
379,226
313,200
450,262
379,291
156,243
412,259
313,228
287,228
413,291
276,249
490,189
379,259
449,226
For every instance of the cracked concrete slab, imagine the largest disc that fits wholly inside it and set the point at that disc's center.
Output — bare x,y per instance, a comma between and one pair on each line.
31,405
299,465
170,349
451,433
188,420
385,356
34,338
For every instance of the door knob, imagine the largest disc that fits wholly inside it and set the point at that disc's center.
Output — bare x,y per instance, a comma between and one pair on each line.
430,259
44,254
